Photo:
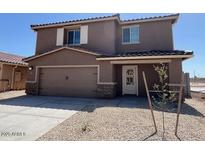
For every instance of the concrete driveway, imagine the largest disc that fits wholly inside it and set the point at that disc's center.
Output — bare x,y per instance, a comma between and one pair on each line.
29,117
25,117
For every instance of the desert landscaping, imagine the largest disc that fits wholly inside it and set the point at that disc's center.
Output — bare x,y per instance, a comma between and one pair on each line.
131,122
123,118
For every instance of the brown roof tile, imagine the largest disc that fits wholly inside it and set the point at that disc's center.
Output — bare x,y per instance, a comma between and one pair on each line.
127,54
148,18
36,26
151,53
11,58
72,21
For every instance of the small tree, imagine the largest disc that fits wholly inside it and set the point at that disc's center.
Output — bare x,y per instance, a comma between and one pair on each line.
162,95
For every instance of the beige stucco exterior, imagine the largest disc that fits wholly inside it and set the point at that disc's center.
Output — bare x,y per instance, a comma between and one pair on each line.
69,57
45,43
109,73
152,36
174,75
104,36
104,32
12,77
175,71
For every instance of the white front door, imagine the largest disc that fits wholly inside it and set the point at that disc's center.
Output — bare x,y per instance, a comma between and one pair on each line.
130,79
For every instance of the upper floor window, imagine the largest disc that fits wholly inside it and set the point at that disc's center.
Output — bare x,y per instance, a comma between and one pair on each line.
74,37
130,34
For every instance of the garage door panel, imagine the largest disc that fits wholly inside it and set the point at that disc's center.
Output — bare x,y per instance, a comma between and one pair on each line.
72,93
70,82
69,87
81,82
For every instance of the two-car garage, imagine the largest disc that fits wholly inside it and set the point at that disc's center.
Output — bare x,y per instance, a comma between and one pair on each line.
70,72
68,81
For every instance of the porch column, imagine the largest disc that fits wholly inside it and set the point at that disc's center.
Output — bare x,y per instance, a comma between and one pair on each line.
175,71
106,87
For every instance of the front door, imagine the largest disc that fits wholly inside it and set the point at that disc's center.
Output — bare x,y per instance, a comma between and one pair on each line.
130,79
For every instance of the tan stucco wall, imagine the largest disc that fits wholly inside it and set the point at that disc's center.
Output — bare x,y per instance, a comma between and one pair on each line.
68,57
1,68
46,40
21,84
153,36
108,72
175,71
7,71
101,37
151,76
7,75
174,75
3,84
106,36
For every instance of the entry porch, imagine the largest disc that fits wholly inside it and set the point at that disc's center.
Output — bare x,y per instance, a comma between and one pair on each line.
129,78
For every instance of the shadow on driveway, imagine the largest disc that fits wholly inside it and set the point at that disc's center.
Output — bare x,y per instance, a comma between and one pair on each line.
90,104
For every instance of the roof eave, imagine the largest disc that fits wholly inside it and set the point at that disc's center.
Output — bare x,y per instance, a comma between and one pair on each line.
190,56
16,64
75,22
55,50
146,57
173,18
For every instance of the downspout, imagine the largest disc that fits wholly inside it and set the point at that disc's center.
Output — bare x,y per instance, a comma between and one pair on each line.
13,75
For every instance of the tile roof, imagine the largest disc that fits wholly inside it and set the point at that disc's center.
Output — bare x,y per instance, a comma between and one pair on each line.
36,26
72,21
151,53
122,54
148,18
11,59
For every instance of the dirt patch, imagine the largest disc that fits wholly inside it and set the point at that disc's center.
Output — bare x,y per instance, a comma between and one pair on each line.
198,96
118,123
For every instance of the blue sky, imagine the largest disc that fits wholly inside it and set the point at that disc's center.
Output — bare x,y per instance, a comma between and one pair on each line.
17,37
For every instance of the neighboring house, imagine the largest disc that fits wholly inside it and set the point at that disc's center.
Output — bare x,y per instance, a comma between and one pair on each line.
13,72
102,57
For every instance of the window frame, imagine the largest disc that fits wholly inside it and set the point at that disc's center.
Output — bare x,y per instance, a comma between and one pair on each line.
73,30
125,27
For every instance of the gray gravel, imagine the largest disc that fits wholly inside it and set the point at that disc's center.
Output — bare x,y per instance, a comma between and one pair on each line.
128,123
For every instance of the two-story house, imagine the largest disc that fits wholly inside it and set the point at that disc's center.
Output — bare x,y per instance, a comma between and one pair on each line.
103,56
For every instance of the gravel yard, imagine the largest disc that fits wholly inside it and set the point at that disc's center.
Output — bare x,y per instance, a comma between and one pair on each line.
130,123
